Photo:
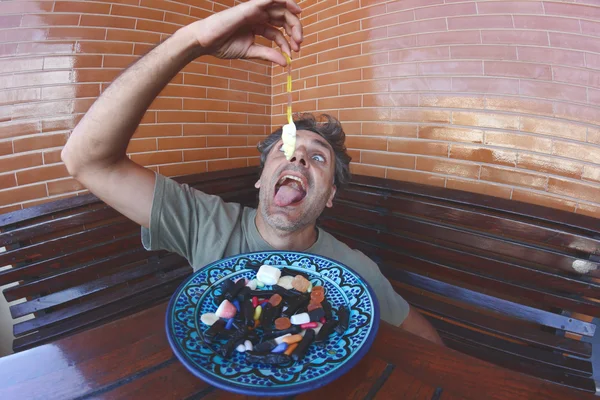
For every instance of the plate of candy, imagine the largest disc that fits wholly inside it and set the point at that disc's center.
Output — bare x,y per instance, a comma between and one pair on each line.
272,323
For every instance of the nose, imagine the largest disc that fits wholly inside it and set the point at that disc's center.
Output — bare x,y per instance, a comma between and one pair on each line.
299,157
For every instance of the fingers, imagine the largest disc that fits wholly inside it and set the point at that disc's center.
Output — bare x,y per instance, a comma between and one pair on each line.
266,53
275,35
283,17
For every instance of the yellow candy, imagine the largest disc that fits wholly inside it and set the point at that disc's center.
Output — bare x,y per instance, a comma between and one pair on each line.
257,312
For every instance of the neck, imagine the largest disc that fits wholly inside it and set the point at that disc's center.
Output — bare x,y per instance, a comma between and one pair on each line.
298,240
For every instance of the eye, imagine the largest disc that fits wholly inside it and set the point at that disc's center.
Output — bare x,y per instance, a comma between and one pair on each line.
319,158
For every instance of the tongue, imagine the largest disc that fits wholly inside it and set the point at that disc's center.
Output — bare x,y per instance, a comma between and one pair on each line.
287,195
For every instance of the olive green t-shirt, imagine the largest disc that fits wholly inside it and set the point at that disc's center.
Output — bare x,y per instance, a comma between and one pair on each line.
203,229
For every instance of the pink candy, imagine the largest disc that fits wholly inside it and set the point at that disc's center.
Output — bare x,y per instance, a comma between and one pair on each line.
309,325
226,310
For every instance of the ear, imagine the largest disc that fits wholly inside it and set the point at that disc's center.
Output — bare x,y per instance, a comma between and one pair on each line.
331,196
257,184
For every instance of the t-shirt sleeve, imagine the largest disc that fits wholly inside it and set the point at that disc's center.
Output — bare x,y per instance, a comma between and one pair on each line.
186,221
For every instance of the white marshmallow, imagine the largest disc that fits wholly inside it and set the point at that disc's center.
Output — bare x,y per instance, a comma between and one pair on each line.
300,319
248,345
268,275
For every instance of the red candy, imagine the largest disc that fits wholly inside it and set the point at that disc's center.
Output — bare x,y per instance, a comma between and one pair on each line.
254,301
323,320
309,325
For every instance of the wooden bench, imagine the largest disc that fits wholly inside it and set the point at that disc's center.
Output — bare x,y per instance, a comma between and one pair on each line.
79,263
495,277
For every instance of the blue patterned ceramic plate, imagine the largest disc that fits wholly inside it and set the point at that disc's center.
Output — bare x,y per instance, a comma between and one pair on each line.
320,366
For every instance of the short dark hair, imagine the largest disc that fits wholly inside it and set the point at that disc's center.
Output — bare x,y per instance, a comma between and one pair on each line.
327,127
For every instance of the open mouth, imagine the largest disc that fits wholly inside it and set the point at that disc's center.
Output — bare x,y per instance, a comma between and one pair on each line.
289,190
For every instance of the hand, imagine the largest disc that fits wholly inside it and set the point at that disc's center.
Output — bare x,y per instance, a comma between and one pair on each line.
230,34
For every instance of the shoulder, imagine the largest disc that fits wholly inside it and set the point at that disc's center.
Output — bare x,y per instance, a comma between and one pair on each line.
343,253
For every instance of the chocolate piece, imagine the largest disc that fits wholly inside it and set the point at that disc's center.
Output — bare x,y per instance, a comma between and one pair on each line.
303,345
296,304
266,346
212,332
326,331
343,315
316,314
269,358
273,334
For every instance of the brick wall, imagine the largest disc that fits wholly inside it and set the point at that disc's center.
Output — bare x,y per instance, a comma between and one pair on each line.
58,56
497,97
486,96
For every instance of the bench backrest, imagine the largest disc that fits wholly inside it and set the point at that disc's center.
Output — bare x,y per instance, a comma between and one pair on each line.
499,279
76,262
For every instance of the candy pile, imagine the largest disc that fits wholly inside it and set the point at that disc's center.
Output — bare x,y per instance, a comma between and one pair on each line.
276,325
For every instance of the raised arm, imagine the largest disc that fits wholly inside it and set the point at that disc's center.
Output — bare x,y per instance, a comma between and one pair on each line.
95,154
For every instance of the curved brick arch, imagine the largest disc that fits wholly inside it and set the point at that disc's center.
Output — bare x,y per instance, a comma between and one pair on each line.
499,97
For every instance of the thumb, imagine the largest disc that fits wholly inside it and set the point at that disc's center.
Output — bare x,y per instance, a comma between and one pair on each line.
266,53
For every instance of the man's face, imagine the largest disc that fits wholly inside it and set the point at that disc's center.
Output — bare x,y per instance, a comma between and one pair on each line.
294,193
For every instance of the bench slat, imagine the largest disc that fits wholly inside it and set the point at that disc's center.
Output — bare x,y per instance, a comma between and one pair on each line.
98,316
77,292
79,274
32,271
529,354
513,329
530,211
385,245
493,303
475,219
576,382
112,295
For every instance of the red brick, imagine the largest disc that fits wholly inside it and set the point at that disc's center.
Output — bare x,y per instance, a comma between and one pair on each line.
549,90
37,48
487,120
208,129
391,100
446,10
106,21
86,7
352,88
203,80
387,159
247,108
588,209
577,112
593,135
519,141
422,178
137,12
39,142
167,6
420,84
361,169
553,127
571,10
37,20
141,146
574,189
451,68
175,143
508,7
576,76
544,199
76,33
419,146
479,187
485,85
79,61
480,22
428,53
318,69
341,102
246,86
219,165
204,154
105,47
420,115
455,37
451,101
427,26
410,4
513,177
388,18
551,165
7,181
591,173
42,174
520,105
448,167
518,69
388,129
513,37
552,56
577,42
483,154
546,23
19,194
451,134
18,7
589,28
20,95
338,77
154,26
483,52
366,143
391,70
362,13
127,35
394,43
23,35
363,61
6,148
577,151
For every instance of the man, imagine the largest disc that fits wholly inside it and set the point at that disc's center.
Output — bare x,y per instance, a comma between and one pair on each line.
201,227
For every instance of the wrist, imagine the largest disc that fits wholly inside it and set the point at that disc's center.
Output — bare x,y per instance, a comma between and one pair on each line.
189,42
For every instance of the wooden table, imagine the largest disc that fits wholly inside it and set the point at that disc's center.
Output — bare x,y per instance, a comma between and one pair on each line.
131,359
